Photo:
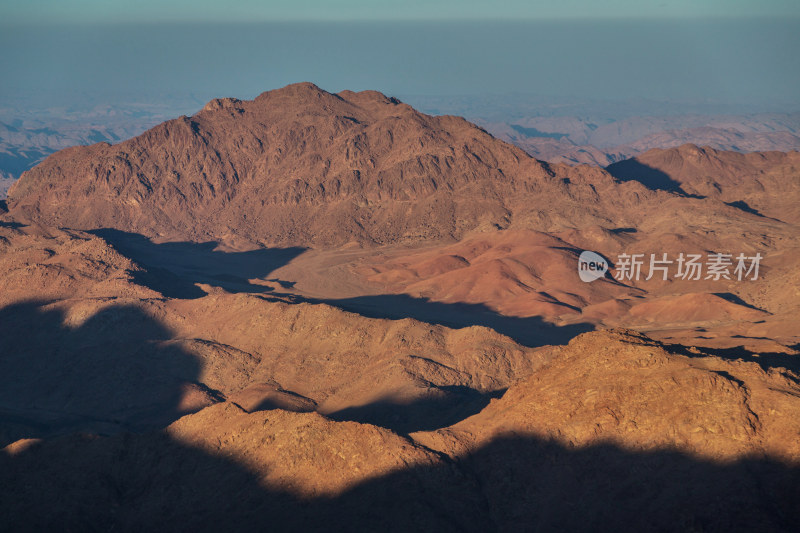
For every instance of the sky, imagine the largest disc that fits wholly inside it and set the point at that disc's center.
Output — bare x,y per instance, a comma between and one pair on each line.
80,52
88,11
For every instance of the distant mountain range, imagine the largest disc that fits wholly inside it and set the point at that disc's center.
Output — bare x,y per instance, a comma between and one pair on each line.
28,136
577,141
595,133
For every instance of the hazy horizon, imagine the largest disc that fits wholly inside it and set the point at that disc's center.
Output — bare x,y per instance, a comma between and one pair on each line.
386,10
733,62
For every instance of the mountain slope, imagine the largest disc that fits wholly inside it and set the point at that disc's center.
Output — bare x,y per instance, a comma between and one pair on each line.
303,166
763,182
617,432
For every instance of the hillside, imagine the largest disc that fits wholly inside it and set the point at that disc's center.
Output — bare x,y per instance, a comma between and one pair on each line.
302,166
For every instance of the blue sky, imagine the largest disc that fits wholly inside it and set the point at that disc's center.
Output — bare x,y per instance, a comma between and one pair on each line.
87,11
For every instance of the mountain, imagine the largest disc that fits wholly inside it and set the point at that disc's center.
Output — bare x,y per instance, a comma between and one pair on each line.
314,310
616,432
617,390
300,166
303,166
30,133
766,183
297,164
445,217
82,321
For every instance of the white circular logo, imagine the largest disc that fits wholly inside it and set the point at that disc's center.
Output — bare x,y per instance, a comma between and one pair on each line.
591,266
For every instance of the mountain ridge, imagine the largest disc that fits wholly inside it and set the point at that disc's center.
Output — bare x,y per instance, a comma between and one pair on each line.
303,166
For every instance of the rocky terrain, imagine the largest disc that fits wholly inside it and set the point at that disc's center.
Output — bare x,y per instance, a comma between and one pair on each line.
316,311
302,166
760,182
595,133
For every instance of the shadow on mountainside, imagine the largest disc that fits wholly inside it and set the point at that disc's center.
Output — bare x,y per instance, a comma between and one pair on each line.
173,268
652,178
111,372
444,407
12,225
766,360
744,206
529,331
118,371
514,483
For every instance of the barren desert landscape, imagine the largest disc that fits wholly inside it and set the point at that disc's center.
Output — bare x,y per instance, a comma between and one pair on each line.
311,306
318,310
